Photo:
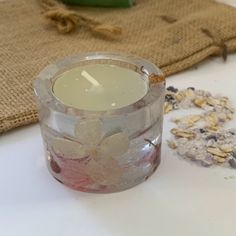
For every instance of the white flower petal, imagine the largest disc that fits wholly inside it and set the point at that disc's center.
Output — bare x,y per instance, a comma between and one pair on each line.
68,149
103,170
116,144
89,132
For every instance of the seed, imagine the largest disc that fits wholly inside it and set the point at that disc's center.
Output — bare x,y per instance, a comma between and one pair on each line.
206,163
223,102
188,120
169,97
211,137
191,88
234,154
180,96
202,135
219,159
171,144
167,107
224,99
212,129
213,102
216,152
183,133
229,116
232,163
172,89
222,117
231,109
199,102
212,119
175,105
189,93
226,148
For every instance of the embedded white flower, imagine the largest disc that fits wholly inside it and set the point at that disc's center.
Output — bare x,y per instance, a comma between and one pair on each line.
68,149
102,168
116,144
89,132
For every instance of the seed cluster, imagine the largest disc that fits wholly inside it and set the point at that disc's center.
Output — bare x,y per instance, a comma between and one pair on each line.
202,138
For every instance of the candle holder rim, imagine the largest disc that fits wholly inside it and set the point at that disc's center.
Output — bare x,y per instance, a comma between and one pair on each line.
45,95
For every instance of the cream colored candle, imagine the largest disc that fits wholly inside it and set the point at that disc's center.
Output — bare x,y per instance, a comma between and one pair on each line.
99,87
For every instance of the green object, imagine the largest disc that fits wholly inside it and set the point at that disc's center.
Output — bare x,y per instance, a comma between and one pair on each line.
101,3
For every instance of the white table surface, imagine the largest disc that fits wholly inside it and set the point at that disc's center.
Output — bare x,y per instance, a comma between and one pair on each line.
180,199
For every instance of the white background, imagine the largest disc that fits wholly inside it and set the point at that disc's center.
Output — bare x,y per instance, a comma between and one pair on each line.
180,199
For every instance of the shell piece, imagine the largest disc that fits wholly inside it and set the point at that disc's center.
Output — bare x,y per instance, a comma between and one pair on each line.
68,149
89,132
102,169
115,145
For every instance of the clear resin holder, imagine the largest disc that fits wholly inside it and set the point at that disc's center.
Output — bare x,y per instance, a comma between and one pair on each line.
102,151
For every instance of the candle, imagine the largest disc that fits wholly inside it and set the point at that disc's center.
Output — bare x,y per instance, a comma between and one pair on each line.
94,151
99,87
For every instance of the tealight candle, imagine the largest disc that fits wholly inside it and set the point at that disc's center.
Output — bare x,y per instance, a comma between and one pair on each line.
99,87
101,120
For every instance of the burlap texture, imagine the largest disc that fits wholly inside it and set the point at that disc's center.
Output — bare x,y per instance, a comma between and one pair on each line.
170,33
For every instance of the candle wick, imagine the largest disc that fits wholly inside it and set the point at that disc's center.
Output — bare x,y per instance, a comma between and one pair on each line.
87,76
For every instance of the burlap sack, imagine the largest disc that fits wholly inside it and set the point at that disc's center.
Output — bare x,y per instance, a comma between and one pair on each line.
174,34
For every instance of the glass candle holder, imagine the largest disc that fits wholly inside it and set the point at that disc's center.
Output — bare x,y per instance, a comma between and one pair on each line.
101,151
